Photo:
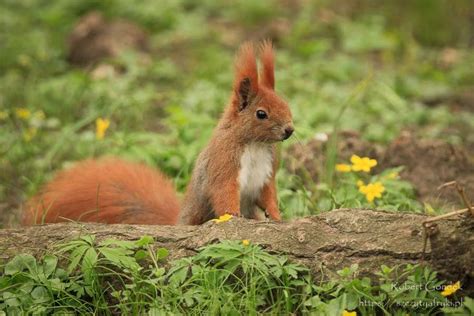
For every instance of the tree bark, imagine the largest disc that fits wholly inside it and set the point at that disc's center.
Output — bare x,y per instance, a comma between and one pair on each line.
325,243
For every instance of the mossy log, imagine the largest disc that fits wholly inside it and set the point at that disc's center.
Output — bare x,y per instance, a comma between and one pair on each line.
325,243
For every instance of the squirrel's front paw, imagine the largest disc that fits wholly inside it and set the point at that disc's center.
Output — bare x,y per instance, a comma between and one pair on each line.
234,213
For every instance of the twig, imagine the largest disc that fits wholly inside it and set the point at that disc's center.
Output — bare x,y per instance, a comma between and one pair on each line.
447,215
461,192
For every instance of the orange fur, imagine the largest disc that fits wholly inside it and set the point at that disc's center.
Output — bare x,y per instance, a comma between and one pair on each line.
246,67
267,74
106,191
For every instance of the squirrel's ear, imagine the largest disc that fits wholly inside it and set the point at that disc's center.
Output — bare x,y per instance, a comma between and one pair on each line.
246,76
244,94
267,74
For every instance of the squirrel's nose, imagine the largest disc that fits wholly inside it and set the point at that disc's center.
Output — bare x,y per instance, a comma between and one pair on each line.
288,132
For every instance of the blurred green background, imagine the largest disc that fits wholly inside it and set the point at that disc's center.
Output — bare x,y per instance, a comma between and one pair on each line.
163,99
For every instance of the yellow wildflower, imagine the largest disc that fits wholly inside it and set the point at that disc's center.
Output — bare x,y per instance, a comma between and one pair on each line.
223,218
346,313
22,113
101,125
360,183
29,134
372,190
451,289
3,115
429,209
362,164
245,242
342,167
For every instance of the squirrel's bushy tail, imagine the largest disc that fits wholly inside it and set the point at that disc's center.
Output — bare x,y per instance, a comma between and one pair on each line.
106,191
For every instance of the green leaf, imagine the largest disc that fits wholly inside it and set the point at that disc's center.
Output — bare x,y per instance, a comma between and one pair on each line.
120,257
57,285
144,241
26,288
141,254
178,276
89,239
21,262
126,244
159,272
50,262
387,287
11,299
162,253
386,270
75,257
61,273
40,295
13,267
89,259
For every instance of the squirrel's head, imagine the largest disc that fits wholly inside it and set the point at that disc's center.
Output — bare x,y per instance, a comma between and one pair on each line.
255,107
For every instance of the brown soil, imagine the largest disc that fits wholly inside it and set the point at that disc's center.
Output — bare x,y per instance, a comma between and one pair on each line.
94,39
427,163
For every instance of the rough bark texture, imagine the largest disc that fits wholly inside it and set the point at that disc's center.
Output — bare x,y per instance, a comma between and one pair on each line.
324,243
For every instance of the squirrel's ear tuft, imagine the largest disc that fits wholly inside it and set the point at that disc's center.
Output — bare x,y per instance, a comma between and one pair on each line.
246,75
267,74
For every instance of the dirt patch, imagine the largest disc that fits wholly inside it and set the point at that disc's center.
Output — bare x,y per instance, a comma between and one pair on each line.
427,163
93,39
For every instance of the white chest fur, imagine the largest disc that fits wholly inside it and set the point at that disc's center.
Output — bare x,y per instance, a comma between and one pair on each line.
255,170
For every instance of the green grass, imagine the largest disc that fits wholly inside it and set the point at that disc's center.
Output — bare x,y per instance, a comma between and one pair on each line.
132,277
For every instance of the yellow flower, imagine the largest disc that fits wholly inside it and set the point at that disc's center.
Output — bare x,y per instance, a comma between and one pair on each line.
223,218
451,289
101,125
245,242
429,209
3,115
22,113
346,313
342,167
362,164
360,183
372,190
29,134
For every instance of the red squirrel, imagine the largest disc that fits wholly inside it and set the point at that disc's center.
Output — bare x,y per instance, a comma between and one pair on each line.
234,174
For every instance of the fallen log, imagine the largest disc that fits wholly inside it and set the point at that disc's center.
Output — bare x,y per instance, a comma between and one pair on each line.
325,243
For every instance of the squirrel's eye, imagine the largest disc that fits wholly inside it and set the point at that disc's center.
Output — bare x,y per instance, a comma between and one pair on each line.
261,115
